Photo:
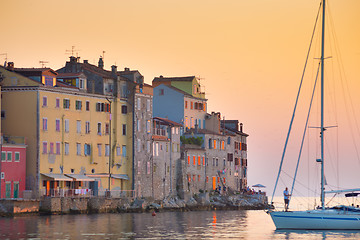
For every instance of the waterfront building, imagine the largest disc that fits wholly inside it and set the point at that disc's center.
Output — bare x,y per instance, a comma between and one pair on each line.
163,169
180,99
12,167
68,132
216,159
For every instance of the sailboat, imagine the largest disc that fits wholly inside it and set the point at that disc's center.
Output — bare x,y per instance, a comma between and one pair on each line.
323,218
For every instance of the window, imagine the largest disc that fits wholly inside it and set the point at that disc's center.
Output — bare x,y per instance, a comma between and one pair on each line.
57,102
124,129
107,107
203,158
148,168
228,140
138,145
9,156
78,126
44,147
118,151
124,150
224,162
87,127
148,105
213,162
194,160
72,170
198,178
87,149
191,105
99,149
107,128
57,125
44,102
124,109
66,103
148,126
215,144
87,106
161,92
210,143
78,105
138,125
138,104
107,149
217,162
199,161
58,148
148,146
223,145
99,128
100,107
139,167
3,156
51,170
66,125
66,148
207,179
51,148
45,124
81,83
186,122
186,104
78,149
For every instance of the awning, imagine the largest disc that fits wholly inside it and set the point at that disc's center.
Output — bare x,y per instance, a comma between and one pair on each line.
80,177
120,176
57,177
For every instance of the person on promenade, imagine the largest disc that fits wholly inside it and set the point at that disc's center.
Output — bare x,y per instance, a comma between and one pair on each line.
286,199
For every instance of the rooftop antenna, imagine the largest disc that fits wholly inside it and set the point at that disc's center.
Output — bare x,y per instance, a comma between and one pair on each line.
5,54
73,51
43,63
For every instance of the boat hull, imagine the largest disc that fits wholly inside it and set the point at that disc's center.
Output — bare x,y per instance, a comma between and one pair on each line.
316,220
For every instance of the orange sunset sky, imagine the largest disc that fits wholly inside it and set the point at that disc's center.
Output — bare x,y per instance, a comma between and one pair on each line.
249,55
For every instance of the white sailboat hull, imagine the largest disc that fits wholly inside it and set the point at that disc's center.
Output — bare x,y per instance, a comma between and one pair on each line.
316,220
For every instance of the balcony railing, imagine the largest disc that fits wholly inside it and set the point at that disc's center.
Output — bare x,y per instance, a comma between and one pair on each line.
159,131
81,193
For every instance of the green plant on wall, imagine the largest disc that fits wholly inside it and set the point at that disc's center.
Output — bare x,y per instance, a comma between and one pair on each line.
192,140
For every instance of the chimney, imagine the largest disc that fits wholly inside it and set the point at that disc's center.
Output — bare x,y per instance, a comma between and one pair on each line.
10,66
126,69
101,63
241,127
73,59
86,61
161,76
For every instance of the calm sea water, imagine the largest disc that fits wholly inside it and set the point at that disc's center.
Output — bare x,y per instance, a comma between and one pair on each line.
167,225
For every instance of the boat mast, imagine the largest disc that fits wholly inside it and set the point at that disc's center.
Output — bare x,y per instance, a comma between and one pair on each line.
322,108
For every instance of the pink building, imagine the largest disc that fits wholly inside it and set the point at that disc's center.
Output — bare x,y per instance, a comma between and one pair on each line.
13,167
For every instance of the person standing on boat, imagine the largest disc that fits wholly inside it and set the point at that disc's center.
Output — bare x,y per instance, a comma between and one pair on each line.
286,198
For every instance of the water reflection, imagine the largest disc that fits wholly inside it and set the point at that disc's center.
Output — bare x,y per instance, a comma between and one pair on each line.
167,225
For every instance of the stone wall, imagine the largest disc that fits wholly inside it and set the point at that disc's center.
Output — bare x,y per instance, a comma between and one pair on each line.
13,207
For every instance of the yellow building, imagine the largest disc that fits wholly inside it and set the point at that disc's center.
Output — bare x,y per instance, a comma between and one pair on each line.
68,132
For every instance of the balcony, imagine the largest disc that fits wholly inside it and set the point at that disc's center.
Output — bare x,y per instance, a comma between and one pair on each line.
159,132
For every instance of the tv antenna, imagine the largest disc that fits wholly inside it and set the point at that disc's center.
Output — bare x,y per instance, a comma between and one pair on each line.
73,51
43,63
5,54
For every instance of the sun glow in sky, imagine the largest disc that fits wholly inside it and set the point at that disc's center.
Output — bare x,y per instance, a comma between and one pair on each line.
249,55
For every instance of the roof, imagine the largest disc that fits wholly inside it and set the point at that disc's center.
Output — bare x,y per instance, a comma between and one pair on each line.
80,177
75,74
167,121
34,70
159,138
120,176
57,177
180,91
165,79
201,131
